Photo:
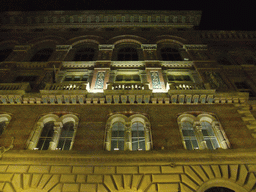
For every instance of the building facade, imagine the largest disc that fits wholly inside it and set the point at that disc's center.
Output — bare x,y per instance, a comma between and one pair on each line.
102,101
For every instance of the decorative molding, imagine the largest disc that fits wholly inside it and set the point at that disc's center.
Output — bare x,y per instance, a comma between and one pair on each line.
106,47
21,47
177,64
149,46
63,47
195,47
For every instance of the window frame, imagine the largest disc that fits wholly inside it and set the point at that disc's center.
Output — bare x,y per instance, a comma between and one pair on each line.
4,118
196,120
57,128
127,121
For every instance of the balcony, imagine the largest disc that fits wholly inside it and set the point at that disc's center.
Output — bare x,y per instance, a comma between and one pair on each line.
14,88
187,87
65,88
128,88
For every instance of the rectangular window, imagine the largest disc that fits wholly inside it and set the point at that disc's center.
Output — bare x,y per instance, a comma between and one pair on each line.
128,78
179,78
76,78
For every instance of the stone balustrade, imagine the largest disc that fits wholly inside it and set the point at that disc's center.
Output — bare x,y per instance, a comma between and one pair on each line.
128,86
14,87
185,86
66,86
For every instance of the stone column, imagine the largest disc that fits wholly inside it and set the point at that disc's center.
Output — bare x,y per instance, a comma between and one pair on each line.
56,135
147,137
36,135
74,135
199,135
128,137
108,138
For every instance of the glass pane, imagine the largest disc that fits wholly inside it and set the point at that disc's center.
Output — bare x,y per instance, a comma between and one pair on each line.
121,145
205,133
68,78
114,133
209,143
135,144
142,144
40,144
48,129
136,77
215,143
121,133
195,144
2,125
67,144
113,144
188,145
61,143
186,78
77,78
171,78
178,78
46,144
141,133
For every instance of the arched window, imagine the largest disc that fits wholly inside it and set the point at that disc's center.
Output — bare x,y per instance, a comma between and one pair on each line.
4,54
138,136
170,54
127,54
46,136
84,54
117,136
42,55
4,121
209,136
54,133
66,136
219,189
189,135
202,131
123,133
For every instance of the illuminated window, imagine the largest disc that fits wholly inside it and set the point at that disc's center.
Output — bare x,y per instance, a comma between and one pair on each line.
123,133
201,131
42,55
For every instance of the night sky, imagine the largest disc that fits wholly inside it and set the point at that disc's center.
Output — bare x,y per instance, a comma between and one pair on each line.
216,16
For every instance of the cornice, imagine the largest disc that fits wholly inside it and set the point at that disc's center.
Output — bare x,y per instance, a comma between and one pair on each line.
137,157
50,18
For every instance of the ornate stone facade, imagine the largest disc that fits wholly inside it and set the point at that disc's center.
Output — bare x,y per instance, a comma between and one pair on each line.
105,101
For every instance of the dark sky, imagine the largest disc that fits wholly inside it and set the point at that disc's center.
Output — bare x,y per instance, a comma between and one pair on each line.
216,16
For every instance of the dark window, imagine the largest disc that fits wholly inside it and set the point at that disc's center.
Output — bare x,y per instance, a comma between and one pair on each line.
42,55
73,29
179,78
46,136
250,60
26,79
38,30
127,78
127,54
84,54
138,136
244,87
170,54
117,136
224,61
66,136
4,54
219,189
2,126
76,78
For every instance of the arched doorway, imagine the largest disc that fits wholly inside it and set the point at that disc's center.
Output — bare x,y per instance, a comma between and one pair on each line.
219,189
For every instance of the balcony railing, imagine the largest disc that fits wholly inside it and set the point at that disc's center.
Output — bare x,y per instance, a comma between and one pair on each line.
185,86
66,86
14,88
128,86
